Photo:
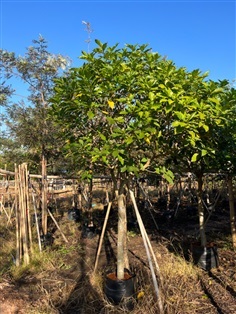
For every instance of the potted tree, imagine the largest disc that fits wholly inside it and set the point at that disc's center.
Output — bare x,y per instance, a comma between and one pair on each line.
124,110
204,122
113,117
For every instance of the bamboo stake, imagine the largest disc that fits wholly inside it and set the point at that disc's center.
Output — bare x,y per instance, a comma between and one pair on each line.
1,204
149,243
28,209
17,219
148,247
102,236
3,207
25,237
37,223
20,215
12,208
44,194
150,205
54,220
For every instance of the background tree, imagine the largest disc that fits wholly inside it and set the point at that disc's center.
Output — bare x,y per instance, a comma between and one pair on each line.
202,117
27,121
225,151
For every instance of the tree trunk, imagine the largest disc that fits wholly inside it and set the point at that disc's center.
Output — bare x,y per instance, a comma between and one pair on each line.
201,211
121,237
232,211
168,195
126,258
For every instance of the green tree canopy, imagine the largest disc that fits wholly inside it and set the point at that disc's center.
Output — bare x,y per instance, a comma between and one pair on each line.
129,111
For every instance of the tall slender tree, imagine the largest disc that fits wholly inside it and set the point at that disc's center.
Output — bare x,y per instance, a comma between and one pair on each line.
27,121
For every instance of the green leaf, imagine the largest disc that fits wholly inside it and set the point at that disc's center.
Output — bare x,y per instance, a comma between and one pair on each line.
202,116
104,159
175,124
214,100
129,140
90,114
98,42
205,127
204,152
123,169
151,96
132,169
111,120
194,157
121,159
168,177
180,115
102,136
115,153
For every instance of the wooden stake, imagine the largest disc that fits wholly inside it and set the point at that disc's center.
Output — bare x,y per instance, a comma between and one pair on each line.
102,236
54,220
148,248
37,223
18,247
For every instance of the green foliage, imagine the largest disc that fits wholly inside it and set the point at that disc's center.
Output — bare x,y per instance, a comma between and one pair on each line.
111,108
124,106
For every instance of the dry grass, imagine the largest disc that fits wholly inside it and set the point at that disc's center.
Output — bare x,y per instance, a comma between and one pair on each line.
60,279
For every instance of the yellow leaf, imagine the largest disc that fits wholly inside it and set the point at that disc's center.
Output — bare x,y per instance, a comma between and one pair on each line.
111,104
105,112
147,140
78,95
140,295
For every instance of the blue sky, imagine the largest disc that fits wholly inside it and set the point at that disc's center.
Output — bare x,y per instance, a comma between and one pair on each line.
194,34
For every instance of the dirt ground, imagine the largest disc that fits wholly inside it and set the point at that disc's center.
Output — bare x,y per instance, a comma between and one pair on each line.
213,292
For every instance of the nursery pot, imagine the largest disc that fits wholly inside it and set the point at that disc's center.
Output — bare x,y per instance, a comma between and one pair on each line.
205,257
46,240
73,214
88,232
120,291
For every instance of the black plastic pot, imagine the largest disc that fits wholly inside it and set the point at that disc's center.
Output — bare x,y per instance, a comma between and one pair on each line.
74,214
120,291
89,232
205,257
47,240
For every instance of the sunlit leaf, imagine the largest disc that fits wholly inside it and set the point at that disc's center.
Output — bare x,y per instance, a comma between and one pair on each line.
103,137
90,114
111,104
194,157
203,152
